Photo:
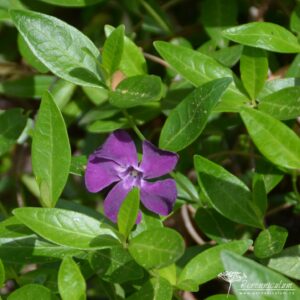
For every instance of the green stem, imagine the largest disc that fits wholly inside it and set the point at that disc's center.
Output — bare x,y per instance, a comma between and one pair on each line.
156,16
185,188
133,125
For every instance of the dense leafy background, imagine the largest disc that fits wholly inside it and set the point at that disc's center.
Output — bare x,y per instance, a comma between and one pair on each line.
216,81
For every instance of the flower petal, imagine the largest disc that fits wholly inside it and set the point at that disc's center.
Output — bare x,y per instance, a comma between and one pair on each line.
160,196
120,148
115,197
100,173
157,162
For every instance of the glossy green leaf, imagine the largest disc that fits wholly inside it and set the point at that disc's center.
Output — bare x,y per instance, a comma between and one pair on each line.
186,122
221,297
207,265
156,248
128,212
214,225
283,145
287,262
270,241
72,3
113,50
31,291
254,70
295,19
62,92
198,69
29,57
136,90
256,276
27,87
293,70
97,95
264,35
226,193
68,228
12,123
259,193
104,126
156,288
2,274
133,61
185,188
216,15
115,265
71,283
78,164
51,153
59,46
283,104
228,56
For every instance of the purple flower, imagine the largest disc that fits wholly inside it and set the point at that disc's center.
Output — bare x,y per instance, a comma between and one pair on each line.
117,162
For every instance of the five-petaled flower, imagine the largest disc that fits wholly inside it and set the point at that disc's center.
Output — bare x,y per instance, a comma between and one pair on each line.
117,162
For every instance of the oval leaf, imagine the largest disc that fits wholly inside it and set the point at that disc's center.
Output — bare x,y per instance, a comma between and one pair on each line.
275,141
59,46
186,122
74,3
264,35
255,276
226,193
199,69
67,228
128,212
31,291
136,90
287,262
283,104
12,123
71,284
156,248
115,265
51,152
270,241
207,265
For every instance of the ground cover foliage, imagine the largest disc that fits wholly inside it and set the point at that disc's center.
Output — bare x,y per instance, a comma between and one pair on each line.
149,149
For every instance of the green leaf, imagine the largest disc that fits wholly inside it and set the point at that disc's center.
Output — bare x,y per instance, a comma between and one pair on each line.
254,70
29,57
113,50
264,35
287,262
216,15
221,297
186,122
115,265
283,145
51,152
293,70
257,275
185,188
68,228
270,241
104,126
136,90
259,193
97,95
207,265
72,3
156,288
31,291
12,123
156,248
2,274
78,164
59,46
128,212
133,61
295,19
283,104
228,56
71,283
214,225
198,69
62,92
226,193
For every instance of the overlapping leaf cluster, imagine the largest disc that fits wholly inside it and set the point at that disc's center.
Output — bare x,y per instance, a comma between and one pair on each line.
224,107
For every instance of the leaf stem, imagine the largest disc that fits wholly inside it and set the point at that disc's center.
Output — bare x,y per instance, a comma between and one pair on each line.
156,16
133,125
